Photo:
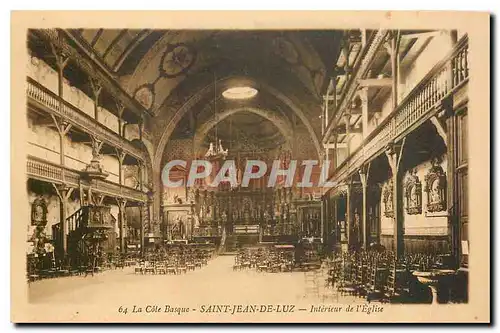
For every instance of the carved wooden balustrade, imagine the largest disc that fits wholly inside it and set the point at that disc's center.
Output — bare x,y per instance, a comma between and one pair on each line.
46,171
206,232
41,96
422,103
92,65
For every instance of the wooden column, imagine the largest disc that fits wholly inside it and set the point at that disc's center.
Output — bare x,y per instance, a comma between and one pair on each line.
322,221
96,91
363,94
348,221
63,192
363,175
119,110
150,217
452,160
121,222
392,47
120,155
62,126
335,219
347,118
140,174
141,220
394,153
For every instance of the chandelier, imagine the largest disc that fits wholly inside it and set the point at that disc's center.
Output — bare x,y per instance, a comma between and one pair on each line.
215,150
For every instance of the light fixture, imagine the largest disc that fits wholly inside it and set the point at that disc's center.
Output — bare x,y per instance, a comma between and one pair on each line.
216,150
244,92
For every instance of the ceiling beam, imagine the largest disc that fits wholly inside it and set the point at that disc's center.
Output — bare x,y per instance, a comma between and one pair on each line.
382,82
421,34
333,146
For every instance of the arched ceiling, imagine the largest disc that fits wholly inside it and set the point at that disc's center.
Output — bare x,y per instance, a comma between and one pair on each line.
177,75
152,63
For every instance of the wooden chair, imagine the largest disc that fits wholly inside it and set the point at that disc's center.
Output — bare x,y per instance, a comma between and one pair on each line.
374,290
397,290
149,268
161,269
139,269
346,283
171,268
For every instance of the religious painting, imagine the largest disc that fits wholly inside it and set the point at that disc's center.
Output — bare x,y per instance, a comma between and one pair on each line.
435,187
387,196
413,194
39,212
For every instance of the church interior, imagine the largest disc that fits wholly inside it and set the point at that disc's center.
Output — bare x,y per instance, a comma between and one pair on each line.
384,110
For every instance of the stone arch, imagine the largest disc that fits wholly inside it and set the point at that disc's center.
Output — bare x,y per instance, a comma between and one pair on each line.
195,99
283,125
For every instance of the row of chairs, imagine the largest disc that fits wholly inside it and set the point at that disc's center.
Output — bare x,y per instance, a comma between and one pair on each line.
377,276
264,260
174,262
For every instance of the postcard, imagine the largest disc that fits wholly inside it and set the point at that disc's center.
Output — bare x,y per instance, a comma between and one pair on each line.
250,167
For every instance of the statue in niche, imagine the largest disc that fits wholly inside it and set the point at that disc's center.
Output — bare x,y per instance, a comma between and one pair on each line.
413,194
435,187
388,200
39,212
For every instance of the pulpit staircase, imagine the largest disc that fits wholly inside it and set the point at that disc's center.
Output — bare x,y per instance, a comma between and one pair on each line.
85,222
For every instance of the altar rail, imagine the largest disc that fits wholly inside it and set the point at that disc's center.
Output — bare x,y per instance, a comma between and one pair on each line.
207,232
50,172
41,96
422,103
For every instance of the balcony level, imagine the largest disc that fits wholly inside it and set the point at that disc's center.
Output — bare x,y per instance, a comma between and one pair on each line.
445,81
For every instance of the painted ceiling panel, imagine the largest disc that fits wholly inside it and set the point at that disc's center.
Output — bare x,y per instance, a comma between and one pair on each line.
116,50
104,41
89,34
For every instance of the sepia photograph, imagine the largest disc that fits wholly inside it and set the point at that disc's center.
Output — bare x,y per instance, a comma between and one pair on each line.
239,174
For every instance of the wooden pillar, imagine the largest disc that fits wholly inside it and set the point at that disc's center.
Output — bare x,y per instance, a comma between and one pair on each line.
347,118
322,221
335,219
141,220
364,110
150,226
141,127
140,174
452,160
363,175
335,152
62,126
96,91
120,155
63,192
120,109
392,47
348,221
121,222
394,153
